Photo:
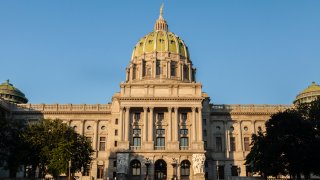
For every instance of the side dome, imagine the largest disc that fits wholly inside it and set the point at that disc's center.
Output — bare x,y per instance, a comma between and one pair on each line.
309,94
11,94
161,41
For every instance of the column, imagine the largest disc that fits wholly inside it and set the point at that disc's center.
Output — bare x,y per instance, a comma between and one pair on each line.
170,124
145,123
150,124
182,72
95,136
154,68
121,124
194,130
169,70
141,70
200,124
131,72
190,72
176,126
127,124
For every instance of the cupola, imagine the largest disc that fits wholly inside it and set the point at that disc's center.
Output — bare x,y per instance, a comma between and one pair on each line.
11,94
311,93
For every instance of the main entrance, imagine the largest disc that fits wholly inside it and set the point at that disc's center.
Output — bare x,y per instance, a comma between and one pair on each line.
160,170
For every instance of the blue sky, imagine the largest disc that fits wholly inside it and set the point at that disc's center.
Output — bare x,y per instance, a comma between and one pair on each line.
76,51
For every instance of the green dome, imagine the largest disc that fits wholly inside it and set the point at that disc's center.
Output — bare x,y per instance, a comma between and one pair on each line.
309,94
161,40
9,93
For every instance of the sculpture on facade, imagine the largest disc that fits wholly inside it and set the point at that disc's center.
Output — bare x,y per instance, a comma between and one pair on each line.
198,163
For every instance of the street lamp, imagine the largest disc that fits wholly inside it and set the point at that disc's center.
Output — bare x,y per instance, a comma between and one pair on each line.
147,163
174,165
70,169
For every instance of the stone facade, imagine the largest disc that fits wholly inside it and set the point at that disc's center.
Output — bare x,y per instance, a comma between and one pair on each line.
161,123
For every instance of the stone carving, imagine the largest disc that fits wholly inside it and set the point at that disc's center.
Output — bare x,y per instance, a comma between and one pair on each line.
122,162
198,163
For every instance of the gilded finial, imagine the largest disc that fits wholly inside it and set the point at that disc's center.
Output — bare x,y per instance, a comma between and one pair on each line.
161,10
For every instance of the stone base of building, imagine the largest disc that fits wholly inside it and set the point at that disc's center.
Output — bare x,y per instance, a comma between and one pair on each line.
199,176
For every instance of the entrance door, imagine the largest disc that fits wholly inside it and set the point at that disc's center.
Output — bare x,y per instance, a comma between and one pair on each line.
160,170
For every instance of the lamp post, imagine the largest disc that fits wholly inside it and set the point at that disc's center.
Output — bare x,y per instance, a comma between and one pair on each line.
70,169
147,163
174,165
217,165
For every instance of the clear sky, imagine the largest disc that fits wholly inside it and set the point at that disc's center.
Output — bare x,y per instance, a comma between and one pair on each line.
76,51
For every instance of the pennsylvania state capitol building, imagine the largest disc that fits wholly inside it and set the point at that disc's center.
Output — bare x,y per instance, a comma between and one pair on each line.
161,123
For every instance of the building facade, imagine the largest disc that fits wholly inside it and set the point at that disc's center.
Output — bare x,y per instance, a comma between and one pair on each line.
161,124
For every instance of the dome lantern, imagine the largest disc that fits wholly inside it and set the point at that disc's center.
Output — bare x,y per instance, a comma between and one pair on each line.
161,24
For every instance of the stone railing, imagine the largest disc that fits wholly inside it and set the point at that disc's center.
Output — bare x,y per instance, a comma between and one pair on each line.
63,107
249,108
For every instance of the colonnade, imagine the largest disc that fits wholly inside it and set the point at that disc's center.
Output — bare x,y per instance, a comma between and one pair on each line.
148,124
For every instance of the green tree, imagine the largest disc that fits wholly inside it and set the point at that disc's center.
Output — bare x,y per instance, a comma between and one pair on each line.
53,144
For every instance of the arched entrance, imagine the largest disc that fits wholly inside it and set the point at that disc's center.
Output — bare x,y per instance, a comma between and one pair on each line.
160,170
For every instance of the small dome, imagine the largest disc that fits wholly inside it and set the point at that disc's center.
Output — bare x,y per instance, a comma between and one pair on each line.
11,94
309,94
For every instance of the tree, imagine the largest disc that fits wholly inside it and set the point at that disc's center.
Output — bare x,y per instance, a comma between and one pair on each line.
53,144
290,144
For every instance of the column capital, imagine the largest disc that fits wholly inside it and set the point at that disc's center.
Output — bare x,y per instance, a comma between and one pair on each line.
121,107
145,108
193,108
176,108
151,108
170,109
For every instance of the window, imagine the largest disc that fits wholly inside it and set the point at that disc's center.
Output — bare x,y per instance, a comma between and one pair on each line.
160,144
135,168
173,69
246,143
116,132
116,121
114,163
204,122
218,144
221,172
158,68
136,132
137,116
232,144
100,172
185,168
160,117
136,141
183,131
160,131
234,171
102,144
205,144
184,142
115,143
184,117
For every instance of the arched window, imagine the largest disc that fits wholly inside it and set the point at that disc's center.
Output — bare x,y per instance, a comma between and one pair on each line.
185,168
135,168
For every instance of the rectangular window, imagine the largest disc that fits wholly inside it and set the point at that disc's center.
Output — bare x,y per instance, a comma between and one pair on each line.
246,143
160,132
114,163
160,117
136,132
100,171
221,172
183,131
218,144
115,143
116,132
136,141
173,69
137,116
184,142
116,121
184,117
102,144
160,143
205,144
232,144
158,68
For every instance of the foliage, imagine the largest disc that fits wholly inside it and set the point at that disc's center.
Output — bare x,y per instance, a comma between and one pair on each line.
53,144
290,144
